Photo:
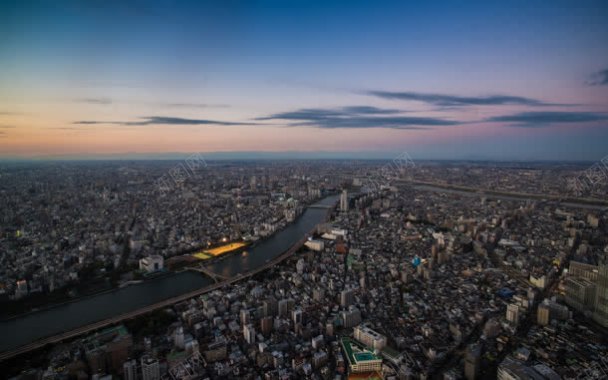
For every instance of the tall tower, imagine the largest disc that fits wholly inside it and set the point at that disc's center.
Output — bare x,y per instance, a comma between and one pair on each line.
344,201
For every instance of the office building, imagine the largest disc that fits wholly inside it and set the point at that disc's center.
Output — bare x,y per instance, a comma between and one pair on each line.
586,271
347,297
351,317
344,201
600,314
369,337
129,370
150,368
580,294
513,313
249,333
543,315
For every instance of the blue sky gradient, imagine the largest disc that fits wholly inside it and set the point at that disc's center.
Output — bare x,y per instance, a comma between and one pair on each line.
122,76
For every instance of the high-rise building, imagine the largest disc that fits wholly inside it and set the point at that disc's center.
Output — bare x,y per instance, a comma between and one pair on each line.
344,201
179,338
129,370
296,316
266,324
150,369
601,296
580,294
369,337
270,307
513,313
283,307
245,316
586,271
249,333
347,297
543,315
351,317
472,362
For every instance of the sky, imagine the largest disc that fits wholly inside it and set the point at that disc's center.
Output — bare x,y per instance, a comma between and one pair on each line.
504,80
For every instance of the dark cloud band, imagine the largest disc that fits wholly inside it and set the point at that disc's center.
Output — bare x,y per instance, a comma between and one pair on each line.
161,120
455,100
355,117
599,79
543,119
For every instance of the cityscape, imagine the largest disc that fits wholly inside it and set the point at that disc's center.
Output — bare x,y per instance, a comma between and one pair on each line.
303,190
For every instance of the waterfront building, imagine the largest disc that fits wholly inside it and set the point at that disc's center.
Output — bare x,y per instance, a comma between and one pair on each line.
151,263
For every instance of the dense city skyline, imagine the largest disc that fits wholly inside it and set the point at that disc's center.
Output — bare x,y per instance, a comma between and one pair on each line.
516,81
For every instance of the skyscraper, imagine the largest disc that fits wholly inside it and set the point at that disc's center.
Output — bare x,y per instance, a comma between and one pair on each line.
129,369
150,368
347,297
344,201
601,296
513,313
249,333
472,362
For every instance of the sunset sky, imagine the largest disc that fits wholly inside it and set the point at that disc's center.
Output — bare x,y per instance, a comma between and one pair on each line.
501,80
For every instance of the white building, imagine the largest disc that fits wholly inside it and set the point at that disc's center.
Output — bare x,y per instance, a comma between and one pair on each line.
315,245
369,337
513,313
152,263
249,333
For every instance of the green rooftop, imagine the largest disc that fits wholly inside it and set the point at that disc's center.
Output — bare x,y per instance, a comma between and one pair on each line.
357,352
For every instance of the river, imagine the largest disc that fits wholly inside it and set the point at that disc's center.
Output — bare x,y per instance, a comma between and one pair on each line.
21,330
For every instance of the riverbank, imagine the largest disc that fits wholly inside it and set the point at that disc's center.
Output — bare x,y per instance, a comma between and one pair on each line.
37,329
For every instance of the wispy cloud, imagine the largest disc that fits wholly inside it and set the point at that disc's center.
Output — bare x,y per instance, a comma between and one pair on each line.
100,101
161,120
544,119
355,117
599,78
444,100
195,105
7,126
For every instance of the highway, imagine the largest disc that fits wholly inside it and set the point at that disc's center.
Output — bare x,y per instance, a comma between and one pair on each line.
509,195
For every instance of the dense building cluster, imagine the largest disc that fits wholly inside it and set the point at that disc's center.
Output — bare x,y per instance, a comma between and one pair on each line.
63,221
403,282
